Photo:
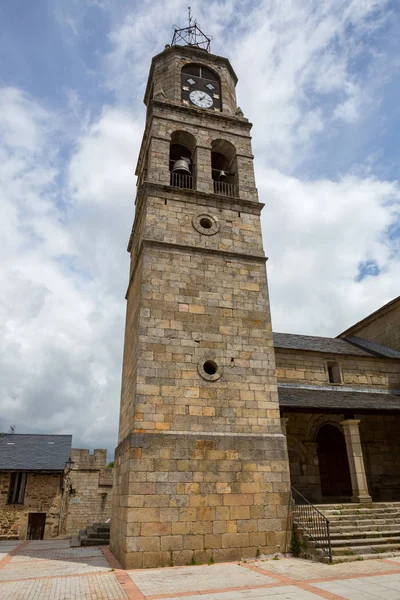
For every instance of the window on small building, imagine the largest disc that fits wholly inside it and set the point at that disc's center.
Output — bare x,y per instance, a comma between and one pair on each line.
334,372
16,492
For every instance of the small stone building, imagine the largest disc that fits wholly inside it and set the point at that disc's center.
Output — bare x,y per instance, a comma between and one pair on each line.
41,496
340,408
31,484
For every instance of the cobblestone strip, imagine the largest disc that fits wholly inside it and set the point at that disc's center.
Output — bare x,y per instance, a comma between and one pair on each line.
307,587
10,555
67,576
130,588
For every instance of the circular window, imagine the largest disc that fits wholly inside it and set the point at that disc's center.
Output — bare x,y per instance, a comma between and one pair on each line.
206,224
209,369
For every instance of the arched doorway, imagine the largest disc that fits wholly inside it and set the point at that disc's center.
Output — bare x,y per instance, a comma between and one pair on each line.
333,464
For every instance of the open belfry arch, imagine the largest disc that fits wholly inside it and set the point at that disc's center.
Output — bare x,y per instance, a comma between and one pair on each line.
201,464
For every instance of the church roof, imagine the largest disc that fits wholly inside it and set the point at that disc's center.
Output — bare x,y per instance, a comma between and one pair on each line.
29,452
307,399
292,341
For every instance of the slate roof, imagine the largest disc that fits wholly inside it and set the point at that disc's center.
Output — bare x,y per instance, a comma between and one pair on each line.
335,399
377,349
25,452
292,341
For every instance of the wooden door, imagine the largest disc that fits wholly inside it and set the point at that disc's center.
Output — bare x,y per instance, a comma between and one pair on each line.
36,524
333,463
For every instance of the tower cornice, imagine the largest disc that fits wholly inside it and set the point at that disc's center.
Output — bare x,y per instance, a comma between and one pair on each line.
193,197
192,110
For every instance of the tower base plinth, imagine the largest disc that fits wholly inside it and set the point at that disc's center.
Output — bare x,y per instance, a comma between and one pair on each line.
183,498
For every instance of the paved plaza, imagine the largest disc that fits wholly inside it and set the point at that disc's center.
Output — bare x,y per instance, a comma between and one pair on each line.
52,570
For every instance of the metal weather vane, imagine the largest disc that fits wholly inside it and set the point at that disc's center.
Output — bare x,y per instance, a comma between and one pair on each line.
191,35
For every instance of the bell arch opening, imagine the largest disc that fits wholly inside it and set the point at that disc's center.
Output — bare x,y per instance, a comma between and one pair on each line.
182,151
334,468
224,168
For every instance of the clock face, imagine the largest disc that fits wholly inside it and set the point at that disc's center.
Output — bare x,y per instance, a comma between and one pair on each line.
201,99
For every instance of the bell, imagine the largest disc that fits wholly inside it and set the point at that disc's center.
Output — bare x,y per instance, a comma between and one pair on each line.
181,166
222,176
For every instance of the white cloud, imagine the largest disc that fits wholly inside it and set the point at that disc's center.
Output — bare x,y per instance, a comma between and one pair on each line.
64,269
316,235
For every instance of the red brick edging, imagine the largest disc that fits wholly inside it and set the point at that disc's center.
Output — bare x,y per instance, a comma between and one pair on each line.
129,587
9,556
293,582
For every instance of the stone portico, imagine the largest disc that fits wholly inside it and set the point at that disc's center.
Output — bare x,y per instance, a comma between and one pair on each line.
340,409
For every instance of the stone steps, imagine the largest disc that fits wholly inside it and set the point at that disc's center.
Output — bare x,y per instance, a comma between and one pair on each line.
354,557
336,518
349,529
97,534
353,506
357,532
343,535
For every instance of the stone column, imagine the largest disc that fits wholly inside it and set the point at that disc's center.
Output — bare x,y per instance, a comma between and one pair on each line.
204,182
356,461
284,422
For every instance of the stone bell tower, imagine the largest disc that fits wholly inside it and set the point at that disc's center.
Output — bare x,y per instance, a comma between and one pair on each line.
201,464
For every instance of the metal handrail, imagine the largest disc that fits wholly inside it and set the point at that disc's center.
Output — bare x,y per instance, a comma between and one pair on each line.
222,188
314,523
182,181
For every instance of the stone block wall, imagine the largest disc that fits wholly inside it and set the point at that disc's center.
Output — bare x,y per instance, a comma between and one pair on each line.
383,328
184,497
92,497
42,494
380,437
190,313
311,367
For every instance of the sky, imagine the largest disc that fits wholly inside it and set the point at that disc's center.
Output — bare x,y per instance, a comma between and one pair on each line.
319,79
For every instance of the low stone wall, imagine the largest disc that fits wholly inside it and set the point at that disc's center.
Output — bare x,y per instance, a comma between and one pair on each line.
91,482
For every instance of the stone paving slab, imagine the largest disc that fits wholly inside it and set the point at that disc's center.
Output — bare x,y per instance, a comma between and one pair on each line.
195,579
303,570
281,593
365,588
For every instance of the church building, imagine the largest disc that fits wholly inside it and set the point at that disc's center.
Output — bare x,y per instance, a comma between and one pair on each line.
206,446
